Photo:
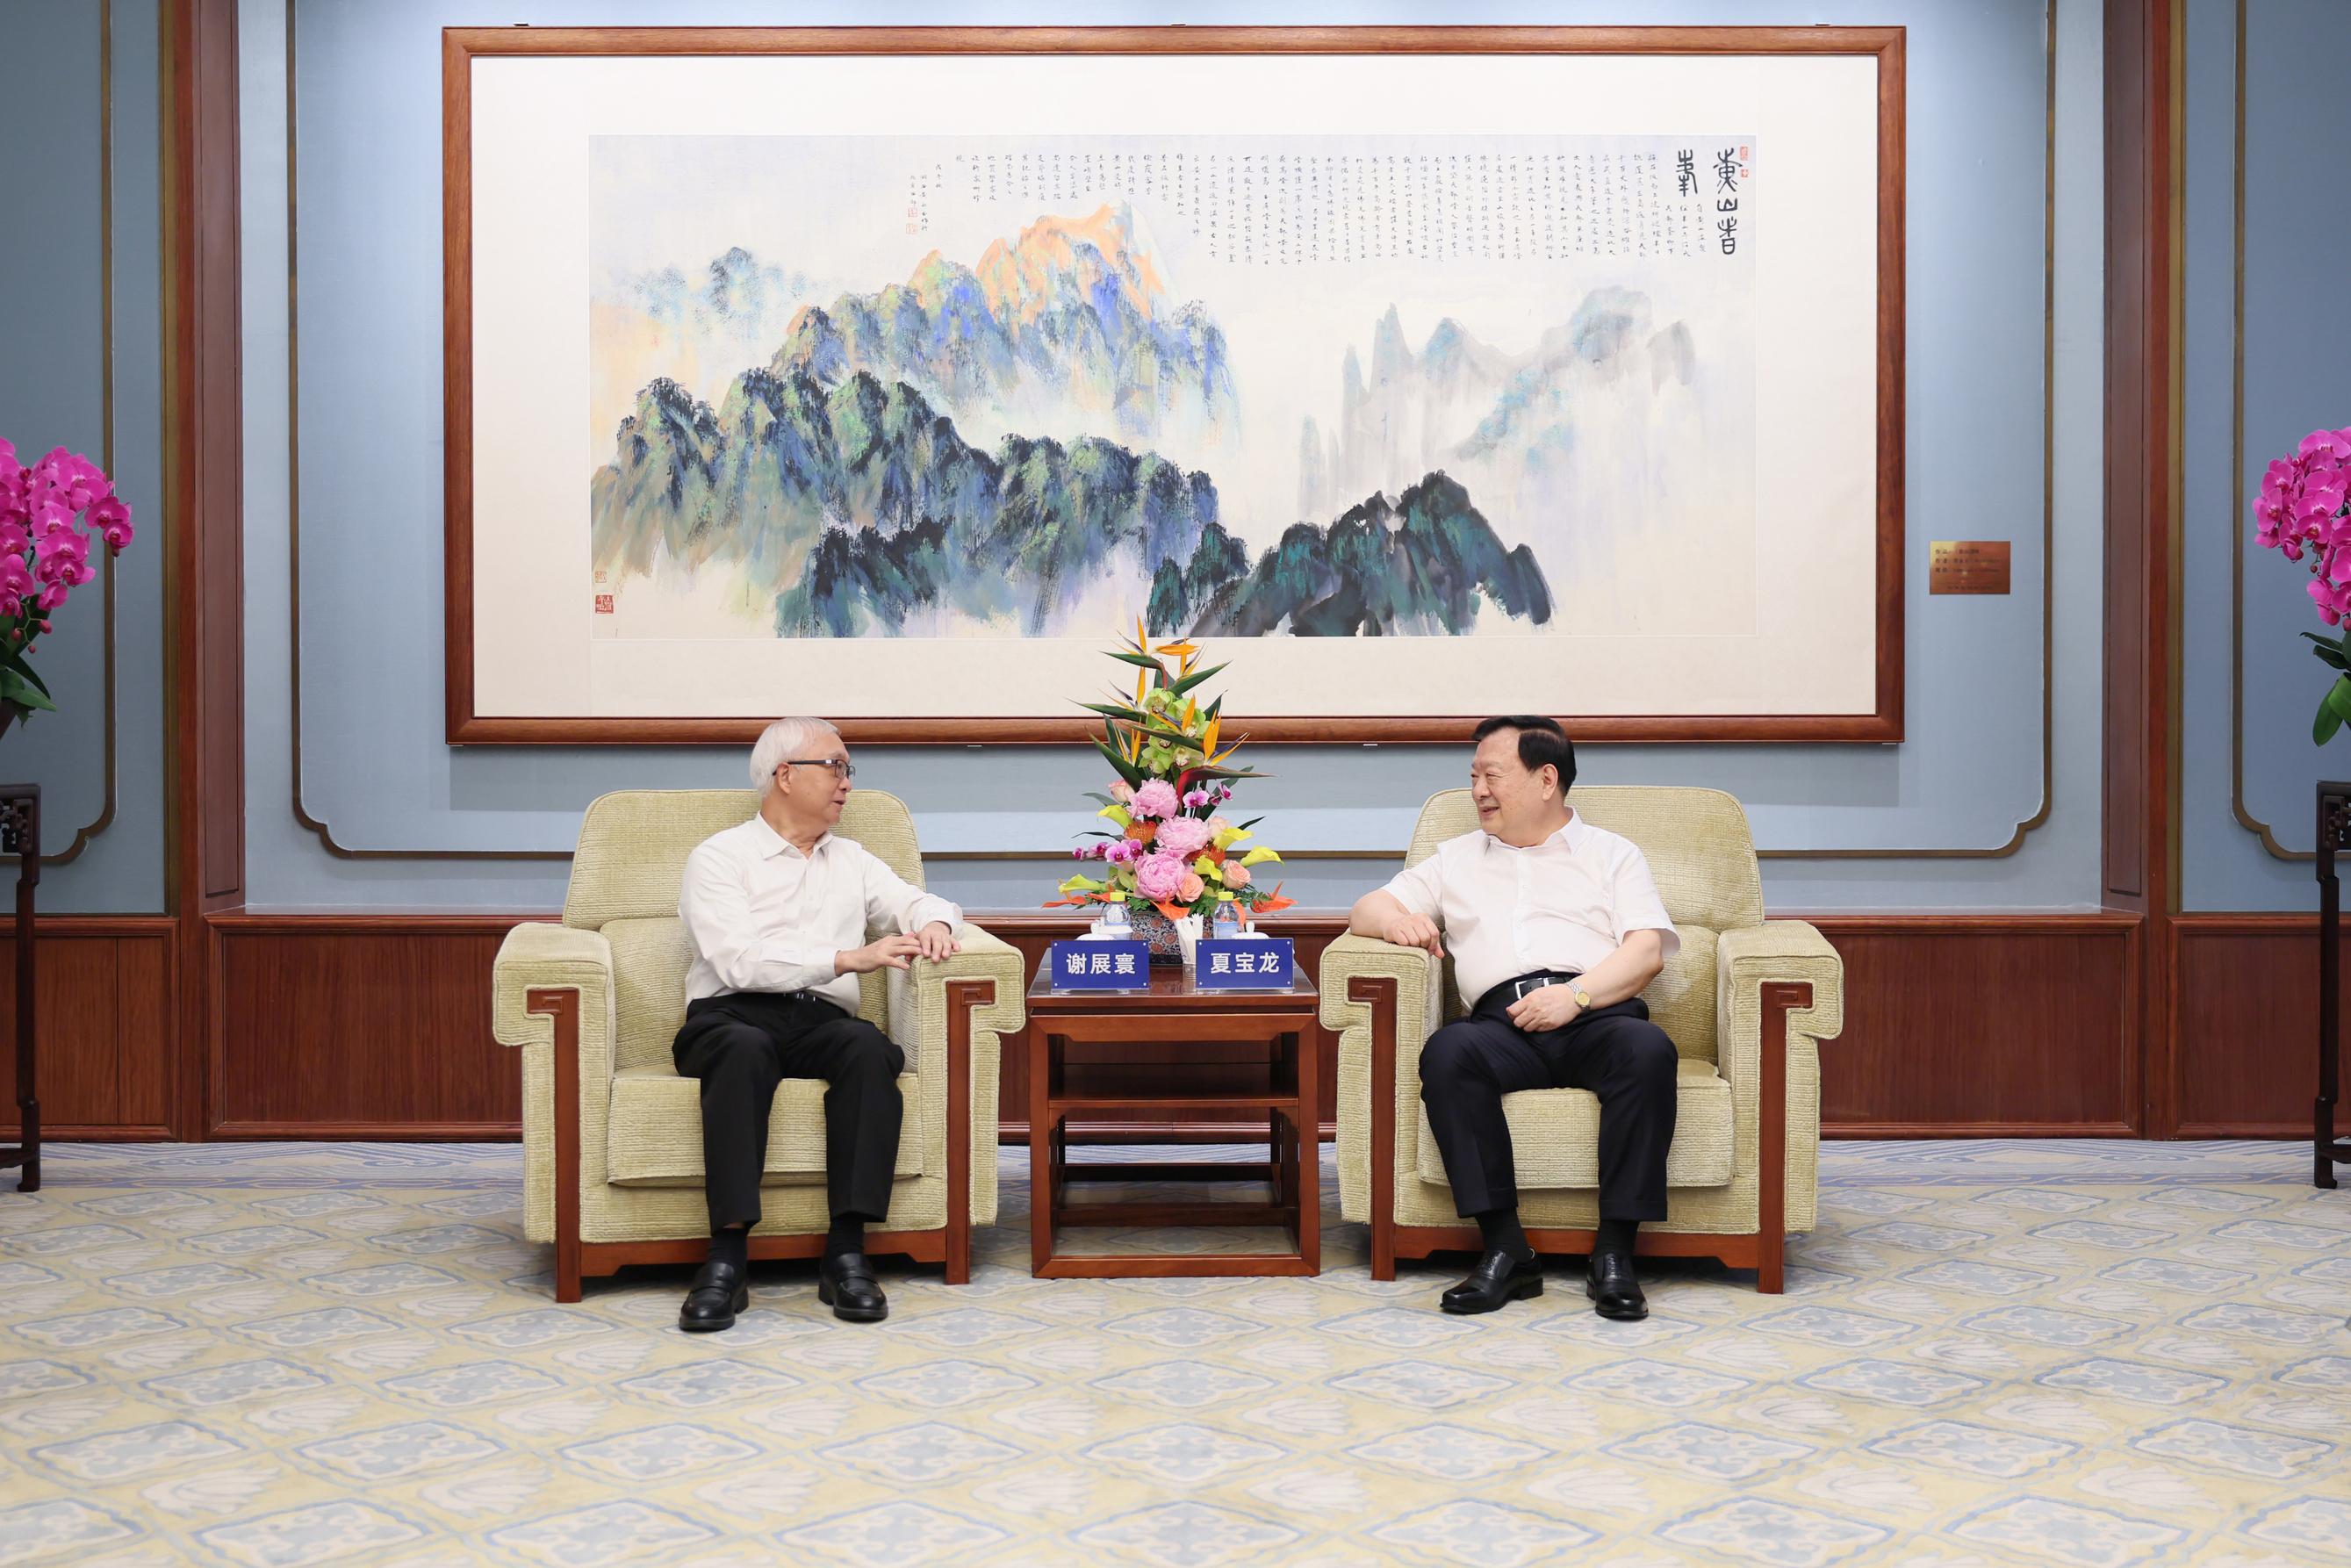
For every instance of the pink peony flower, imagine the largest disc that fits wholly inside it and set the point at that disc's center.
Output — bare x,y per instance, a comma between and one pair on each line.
1187,836
1154,798
1237,875
1190,888
1160,877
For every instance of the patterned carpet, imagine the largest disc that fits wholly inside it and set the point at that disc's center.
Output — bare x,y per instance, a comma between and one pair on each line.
2085,1354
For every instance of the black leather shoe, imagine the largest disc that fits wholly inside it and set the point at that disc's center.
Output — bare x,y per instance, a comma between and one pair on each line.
846,1284
1614,1293
1496,1281
717,1293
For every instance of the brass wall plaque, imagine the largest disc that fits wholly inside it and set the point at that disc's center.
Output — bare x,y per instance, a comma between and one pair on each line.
1967,566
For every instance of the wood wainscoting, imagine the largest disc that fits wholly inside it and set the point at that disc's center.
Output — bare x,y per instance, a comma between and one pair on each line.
1985,1026
103,989
2245,998
377,1025
358,1026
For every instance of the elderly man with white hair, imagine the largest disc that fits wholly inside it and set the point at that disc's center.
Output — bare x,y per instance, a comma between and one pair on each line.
777,909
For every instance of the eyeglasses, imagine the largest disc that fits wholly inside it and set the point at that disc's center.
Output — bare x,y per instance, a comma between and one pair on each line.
840,765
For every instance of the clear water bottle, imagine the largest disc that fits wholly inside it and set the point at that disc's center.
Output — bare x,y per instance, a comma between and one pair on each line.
1227,922
1114,922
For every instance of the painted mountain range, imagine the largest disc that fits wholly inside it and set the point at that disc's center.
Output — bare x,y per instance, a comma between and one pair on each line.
1067,328
878,474
860,511
1511,425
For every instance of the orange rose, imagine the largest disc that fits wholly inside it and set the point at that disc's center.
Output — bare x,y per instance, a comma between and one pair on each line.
1237,875
1189,888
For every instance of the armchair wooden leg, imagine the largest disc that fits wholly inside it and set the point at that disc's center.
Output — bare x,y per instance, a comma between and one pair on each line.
963,995
563,1007
1780,999
1382,996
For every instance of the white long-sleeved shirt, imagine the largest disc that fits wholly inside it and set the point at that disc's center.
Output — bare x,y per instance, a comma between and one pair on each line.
763,916
1564,904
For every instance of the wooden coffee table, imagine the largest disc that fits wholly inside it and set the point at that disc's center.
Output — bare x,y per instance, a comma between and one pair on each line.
1172,1011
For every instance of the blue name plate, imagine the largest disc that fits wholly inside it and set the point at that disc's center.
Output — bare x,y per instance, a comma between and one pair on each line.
1099,966
1243,964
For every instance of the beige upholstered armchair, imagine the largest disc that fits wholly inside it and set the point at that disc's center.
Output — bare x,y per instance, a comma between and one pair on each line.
613,1136
1746,1000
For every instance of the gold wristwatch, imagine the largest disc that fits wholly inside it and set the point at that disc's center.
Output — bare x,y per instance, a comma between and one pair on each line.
1582,997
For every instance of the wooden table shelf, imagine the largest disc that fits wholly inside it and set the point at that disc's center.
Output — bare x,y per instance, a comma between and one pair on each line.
1172,1011
1060,1104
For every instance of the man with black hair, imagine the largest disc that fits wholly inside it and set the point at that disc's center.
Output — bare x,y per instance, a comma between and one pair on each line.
1555,927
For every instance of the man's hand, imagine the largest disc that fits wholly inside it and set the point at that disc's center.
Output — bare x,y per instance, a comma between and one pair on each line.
1414,931
1544,1007
937,941
882,953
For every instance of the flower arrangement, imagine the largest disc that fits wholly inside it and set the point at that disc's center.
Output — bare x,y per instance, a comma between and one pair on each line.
49,515
1168,852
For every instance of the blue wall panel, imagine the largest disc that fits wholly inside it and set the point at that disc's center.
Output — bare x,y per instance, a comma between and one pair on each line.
55,118
2296,362
372,766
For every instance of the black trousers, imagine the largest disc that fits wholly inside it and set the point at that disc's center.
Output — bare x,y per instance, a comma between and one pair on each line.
743,1044
1615,1051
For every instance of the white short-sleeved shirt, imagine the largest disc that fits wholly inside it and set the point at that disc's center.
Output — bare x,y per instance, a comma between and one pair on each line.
765,917
1564,904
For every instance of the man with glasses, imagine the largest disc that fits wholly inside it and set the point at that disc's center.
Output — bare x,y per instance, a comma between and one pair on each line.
1556,928
777,911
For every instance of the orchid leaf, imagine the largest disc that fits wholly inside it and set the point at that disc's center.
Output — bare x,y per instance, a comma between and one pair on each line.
16,663
15,688
2328,650
2334,710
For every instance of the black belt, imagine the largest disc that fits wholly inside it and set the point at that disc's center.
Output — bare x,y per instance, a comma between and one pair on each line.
1512,990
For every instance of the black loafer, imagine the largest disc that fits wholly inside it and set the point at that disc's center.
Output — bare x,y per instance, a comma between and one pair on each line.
846,1284
1496,1281
1614,1293
719,1291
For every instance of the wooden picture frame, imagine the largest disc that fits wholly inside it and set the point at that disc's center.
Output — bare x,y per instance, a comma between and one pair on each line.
1877,718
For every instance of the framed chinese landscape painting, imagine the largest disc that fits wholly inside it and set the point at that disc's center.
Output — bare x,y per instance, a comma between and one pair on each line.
1426,373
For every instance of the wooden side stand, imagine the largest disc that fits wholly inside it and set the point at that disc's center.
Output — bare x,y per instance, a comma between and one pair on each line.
1279,1029
20,835
1763,1251
2326,1149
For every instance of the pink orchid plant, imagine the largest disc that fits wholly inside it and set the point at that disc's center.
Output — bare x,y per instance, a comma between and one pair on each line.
1166,848
50,515
2303,512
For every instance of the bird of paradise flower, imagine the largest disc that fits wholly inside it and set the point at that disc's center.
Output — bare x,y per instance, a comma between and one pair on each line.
1168,848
